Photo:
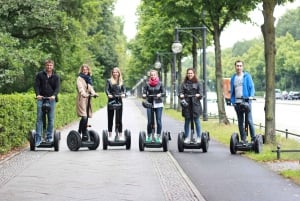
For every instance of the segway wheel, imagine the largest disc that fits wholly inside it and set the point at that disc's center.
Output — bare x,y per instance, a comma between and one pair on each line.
94,138
165,141
180,142
141,140
205,141
104,139
56,140
74,140
31,138
258,143
234,140
128,139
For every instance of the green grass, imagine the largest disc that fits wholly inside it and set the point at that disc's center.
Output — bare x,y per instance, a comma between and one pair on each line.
221,133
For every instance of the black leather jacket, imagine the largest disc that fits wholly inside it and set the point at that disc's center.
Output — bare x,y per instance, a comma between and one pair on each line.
148,90
114,89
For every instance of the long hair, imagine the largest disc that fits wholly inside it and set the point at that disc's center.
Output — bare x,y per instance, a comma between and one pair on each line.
85,66
194,79
118,81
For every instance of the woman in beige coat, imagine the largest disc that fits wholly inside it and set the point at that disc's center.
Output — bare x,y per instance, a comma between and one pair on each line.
84,90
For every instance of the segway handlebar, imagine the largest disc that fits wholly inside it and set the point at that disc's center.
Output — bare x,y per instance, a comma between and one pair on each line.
189,96
154,95
246,98
119,96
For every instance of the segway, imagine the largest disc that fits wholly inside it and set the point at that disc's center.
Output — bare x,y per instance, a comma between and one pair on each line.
116,105
192,144
74,138
44,143
165,136
235,143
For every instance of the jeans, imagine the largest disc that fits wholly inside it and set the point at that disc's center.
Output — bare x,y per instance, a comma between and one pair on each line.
158,113
187,123
241,123
49,117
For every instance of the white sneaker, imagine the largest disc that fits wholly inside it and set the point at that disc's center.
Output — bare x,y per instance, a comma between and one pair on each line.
198,140
121,137
187,139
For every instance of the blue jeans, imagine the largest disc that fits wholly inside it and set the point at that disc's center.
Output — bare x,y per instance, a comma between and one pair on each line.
49,117
241,123
158,113
187,123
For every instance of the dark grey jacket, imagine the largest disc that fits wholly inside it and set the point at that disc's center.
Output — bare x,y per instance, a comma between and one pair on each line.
190,88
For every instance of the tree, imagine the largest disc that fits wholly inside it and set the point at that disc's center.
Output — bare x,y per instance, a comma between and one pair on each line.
268,31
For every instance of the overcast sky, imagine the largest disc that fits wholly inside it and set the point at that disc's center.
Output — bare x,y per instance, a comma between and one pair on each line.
233,33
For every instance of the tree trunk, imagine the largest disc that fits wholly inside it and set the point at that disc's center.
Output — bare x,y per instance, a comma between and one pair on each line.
219,78
268,31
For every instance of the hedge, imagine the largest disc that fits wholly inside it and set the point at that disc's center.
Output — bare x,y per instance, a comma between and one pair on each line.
18,116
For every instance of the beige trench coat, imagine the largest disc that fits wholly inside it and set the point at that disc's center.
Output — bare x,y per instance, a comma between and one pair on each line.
83,91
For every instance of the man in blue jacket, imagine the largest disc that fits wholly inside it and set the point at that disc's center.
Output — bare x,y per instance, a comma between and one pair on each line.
242,89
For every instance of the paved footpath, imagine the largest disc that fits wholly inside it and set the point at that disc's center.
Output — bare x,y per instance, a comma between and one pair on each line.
106,175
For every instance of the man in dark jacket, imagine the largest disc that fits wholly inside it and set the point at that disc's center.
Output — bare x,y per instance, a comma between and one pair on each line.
47,85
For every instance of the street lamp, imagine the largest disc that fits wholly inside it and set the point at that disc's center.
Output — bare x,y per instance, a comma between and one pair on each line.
177,48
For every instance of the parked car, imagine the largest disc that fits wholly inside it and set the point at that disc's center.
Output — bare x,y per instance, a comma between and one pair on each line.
294,95
278,94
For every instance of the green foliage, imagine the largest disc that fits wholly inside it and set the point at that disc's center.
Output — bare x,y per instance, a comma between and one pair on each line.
288,23
18,116
69,32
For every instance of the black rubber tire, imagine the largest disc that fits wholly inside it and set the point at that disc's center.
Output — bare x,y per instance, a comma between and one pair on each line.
94,138
56,140
142,140
165,141
258,144
128,139
180,142
104,139
31,139
205,141
73,140
234,140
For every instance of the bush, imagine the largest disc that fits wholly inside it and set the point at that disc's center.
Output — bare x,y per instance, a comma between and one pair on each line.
18,116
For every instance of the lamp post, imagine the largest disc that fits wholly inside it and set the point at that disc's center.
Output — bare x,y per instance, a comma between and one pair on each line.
158,65
177,48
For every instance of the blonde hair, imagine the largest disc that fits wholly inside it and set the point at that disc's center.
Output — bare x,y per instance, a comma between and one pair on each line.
119,81
85,66
153,71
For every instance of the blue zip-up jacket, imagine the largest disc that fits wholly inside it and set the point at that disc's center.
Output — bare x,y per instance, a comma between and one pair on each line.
248,87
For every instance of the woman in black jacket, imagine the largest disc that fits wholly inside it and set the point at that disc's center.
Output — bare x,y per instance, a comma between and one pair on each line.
115,90
156,89
191,87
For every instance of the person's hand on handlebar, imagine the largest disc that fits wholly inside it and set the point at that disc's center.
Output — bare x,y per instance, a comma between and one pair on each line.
144,95
123,95
110,96
39,97
52,98
181,96
95,95
198,95
158,95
